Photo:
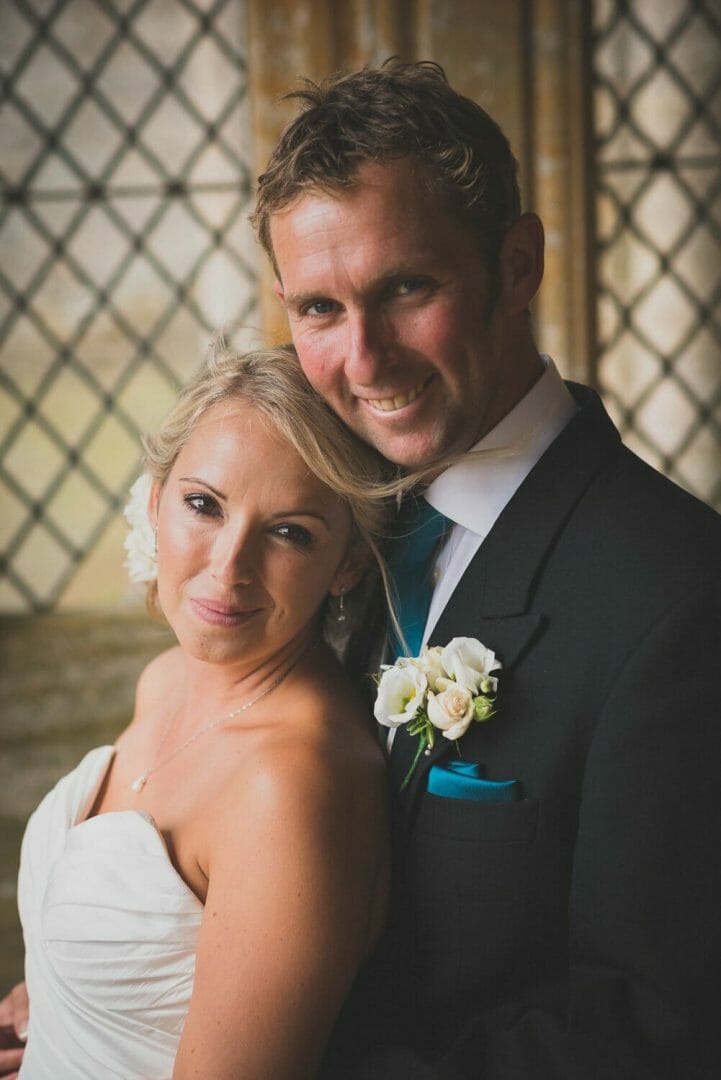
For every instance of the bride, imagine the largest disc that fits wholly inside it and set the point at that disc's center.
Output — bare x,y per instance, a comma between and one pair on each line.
197,899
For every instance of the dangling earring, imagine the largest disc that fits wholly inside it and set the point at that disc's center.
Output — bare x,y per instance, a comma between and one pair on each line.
155,541
340,617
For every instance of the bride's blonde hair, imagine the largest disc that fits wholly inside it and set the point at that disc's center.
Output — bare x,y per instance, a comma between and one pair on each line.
271,381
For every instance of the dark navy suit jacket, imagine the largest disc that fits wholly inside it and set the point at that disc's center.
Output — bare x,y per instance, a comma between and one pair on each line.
575,932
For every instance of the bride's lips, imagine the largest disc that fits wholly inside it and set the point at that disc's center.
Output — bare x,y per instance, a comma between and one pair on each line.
217,614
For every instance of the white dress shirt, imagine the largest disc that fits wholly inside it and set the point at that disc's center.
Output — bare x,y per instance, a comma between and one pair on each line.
474,491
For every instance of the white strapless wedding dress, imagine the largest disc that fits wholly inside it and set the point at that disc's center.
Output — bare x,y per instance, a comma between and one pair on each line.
110,936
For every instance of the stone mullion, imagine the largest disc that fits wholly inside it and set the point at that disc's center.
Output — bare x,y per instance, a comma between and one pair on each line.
562,193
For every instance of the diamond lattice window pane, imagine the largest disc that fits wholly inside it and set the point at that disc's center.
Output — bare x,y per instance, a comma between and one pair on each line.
665,417
147,397
178,240
111,452
127,139
92,139
26,356
103,350
62,302
182,343
47,86
141,295
699,366
699,266
129,81
42,562
658,21
52,176
629,370
628,266
21,144
15,515
76,509
69,406
659,109
662,213
165,28
34,461
209,77
17,32
691,54
173,135
623,58
664,317
84,30
99,243
25,250
658,93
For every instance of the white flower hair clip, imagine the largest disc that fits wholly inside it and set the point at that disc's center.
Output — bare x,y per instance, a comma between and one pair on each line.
140,562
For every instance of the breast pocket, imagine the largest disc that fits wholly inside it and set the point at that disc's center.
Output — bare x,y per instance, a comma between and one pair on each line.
469,882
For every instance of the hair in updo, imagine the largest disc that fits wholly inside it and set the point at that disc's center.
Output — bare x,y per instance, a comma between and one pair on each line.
272,383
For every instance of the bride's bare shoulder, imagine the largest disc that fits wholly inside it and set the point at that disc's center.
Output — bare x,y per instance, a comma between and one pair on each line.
325,744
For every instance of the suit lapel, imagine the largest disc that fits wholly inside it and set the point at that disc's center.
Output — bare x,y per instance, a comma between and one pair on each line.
493,600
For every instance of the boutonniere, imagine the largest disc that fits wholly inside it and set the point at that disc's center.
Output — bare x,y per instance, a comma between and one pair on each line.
444,689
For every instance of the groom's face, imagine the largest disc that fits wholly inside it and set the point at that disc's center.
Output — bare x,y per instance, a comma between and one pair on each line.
392,312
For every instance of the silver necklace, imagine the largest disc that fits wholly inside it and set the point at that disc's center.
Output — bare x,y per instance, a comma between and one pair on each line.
140,781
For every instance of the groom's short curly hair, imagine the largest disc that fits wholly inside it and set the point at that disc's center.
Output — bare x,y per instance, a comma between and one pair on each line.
399,110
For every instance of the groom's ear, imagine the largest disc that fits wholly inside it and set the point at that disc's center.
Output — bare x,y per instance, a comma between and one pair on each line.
521,263
278,290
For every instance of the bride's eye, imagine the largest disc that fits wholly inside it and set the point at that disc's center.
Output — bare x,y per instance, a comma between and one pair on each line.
201,503
295,534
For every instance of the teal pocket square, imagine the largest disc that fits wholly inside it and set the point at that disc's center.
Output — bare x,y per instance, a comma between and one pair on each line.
463,780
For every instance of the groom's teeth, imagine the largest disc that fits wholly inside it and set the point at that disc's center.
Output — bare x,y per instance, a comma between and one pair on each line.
397,402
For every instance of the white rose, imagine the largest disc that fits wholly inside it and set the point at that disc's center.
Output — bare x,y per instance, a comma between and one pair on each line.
451,711
139,544
400,694
470,663
431,664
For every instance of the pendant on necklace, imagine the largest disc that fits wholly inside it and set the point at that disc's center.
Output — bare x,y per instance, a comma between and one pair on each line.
139,782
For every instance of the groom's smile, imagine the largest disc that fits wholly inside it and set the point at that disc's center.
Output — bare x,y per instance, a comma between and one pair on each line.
398,400
388,297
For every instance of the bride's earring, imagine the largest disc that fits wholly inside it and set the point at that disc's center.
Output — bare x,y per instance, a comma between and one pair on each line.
340,617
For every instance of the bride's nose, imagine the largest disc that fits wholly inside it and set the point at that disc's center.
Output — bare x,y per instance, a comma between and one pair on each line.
233,556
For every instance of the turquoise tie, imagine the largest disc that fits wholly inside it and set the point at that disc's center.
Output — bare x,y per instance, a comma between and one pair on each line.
420,529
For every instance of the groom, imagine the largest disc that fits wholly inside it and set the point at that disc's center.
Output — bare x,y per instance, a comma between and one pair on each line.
568,927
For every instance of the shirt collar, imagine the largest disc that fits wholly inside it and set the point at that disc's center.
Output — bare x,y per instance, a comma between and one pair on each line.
516,443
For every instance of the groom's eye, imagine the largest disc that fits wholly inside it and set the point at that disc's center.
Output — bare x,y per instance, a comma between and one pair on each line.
410,285
319,307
